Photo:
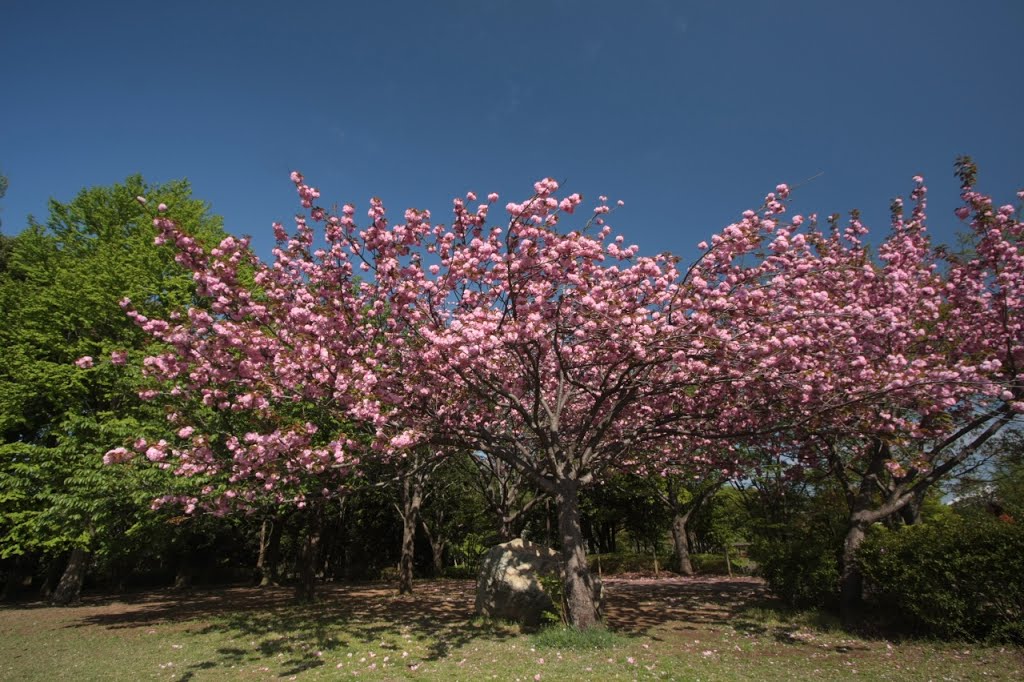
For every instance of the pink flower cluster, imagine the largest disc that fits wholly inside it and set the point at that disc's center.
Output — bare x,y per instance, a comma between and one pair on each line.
565,352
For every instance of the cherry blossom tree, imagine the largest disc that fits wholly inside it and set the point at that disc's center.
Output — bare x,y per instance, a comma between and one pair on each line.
558,353
563,353
911,361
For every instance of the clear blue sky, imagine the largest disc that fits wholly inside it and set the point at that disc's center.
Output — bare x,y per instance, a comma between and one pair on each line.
688,111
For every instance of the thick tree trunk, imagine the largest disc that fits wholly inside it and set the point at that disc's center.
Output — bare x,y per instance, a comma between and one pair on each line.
270,546
681,544
851,581
305,589
412,499
69,589
582,608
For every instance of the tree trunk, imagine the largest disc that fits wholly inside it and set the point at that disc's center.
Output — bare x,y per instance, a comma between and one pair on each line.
69,589
582,609
851,581
54,570
680,543
270,546
437,545
911,512
437,549
305,589
505,529
412,499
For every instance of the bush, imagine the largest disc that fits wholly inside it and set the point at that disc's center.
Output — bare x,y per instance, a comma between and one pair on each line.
802,569
959,578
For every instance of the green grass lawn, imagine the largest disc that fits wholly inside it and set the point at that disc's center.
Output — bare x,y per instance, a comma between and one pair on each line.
672,629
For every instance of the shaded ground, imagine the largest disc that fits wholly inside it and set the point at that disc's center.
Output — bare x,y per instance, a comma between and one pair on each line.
639,604
632,604
670,628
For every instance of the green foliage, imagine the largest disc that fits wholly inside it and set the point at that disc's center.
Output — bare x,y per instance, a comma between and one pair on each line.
59,293
998,487
567,638
463,572
624,502
961,578
721,520
798,533
803,570
555,589
454,512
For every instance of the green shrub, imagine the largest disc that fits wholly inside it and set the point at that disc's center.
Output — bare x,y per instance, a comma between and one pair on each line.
959,578
802,569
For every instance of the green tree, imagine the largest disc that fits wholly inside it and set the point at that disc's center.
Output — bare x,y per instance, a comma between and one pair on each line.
62,402
454,509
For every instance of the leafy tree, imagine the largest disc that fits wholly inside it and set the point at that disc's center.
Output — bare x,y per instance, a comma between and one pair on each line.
63,403
454,509
913,357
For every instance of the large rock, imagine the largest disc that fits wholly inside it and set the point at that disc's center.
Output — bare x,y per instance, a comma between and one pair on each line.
508,585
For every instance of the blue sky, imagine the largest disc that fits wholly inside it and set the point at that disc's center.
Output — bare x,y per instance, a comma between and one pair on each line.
687,111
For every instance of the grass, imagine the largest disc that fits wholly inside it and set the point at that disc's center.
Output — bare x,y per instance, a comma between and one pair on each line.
571,639
671,629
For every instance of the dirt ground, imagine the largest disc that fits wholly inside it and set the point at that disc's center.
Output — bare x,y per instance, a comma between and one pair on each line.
632,603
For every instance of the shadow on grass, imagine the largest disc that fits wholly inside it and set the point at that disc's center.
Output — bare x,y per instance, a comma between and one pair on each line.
772,618
266,625
296,636
682,603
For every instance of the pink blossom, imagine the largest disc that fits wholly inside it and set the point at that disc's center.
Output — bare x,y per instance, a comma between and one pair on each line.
84,362
117,455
